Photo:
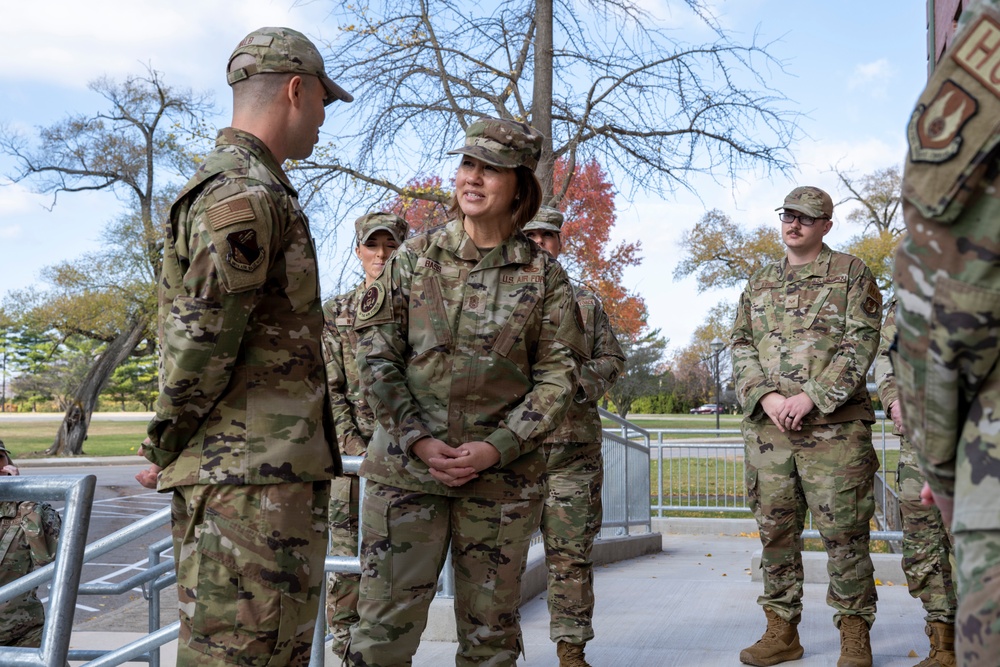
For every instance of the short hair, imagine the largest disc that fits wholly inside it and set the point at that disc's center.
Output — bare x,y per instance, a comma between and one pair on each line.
257,91
527,198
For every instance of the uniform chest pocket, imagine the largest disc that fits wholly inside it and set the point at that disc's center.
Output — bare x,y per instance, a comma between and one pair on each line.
512,329
817,306
763,310
429,322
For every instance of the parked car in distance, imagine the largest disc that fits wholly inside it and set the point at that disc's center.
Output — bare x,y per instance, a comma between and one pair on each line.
708,409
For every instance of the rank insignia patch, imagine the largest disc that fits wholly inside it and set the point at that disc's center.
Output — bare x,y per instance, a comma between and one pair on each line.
935,128
245,253
371,301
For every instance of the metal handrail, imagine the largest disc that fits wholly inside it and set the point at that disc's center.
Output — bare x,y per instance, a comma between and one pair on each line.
77,492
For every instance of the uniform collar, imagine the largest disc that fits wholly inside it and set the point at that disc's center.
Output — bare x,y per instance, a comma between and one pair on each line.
230,136
516,249
818,267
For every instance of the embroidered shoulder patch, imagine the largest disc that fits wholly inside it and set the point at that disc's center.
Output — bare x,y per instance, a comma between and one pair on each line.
245,252
371,301
230,212
935,128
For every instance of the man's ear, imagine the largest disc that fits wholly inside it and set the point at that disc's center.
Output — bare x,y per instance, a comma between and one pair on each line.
294,90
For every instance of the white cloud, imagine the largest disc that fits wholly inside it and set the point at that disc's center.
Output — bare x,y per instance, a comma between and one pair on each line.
871,76
69,43
9,232
15,199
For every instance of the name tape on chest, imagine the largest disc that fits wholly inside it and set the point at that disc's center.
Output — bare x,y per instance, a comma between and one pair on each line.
371,301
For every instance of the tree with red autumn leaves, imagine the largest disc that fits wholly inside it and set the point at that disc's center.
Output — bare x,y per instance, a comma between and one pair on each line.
589,207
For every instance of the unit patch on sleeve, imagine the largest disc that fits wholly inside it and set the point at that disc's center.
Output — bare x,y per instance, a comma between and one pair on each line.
371,301
935,128
245,252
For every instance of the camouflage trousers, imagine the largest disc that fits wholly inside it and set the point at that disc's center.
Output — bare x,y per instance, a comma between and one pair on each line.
21,621
404,540
571,519
342,588
926,543
977,621
828,469
249,571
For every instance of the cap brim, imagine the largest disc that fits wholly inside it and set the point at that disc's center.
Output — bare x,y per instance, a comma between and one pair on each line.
548,226
333,91
380,228
487,156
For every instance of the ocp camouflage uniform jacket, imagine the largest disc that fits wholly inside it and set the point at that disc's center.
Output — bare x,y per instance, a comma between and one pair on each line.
465,349
946,274
885,378
353,420
812,329
597,374
29,537
243,396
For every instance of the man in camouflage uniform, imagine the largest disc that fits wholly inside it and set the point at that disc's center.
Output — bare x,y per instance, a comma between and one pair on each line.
574,474
926,541
29,536
469,354
948,318
353,420
806,331
242,433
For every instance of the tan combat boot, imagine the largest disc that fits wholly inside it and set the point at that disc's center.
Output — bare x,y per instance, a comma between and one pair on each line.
942,645
779,643
855,644
571,655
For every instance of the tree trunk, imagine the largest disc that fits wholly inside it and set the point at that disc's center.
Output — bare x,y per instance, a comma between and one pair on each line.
541,94
73,431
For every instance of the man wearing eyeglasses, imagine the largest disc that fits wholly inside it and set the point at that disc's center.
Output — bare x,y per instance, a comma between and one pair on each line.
806,331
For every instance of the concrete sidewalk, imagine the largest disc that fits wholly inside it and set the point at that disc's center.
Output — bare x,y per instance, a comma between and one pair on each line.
694,605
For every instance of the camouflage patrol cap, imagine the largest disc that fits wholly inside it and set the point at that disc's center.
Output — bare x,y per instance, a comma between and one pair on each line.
370,223
547,218
502,143
809,200
284,50
4,450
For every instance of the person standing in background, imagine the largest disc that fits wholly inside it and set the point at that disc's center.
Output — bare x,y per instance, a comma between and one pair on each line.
806,331
29,537
926,541
378,235
574,469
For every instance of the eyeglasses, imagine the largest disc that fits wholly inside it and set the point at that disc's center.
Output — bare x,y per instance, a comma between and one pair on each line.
804,220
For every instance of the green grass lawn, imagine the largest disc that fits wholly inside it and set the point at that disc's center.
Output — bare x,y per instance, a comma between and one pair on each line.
105,438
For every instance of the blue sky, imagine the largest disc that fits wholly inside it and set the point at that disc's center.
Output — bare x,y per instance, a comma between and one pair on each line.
853,68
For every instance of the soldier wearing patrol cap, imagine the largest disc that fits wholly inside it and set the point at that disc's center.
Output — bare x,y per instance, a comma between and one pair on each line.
29,538
242,434
948,317
806,331
468,351
378,235
571,518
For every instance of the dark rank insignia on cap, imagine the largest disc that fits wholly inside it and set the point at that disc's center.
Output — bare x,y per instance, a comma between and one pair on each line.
244,252
371,301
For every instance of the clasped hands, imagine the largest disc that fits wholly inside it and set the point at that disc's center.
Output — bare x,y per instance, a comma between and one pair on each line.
455,466
787,413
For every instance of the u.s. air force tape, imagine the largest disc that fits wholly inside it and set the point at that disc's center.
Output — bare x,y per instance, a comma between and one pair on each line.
371,301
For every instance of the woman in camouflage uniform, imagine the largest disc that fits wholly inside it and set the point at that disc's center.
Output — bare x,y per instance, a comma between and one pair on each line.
378,234
468,349
29,536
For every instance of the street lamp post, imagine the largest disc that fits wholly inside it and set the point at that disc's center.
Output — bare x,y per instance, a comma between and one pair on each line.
717,347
